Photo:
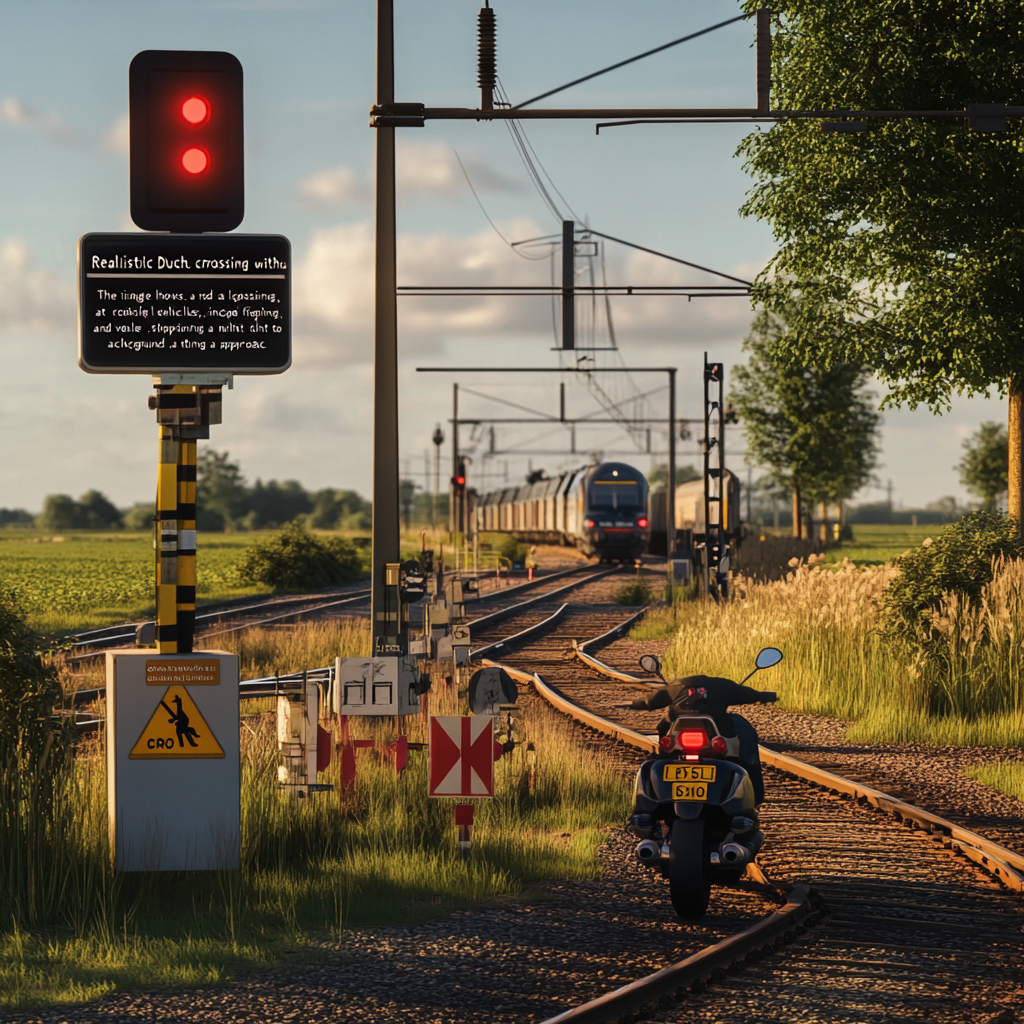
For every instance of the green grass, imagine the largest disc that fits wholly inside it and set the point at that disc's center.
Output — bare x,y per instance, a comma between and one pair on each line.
878,544
309,868
1006,778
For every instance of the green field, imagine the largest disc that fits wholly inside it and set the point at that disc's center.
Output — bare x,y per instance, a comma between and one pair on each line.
876,544
84,580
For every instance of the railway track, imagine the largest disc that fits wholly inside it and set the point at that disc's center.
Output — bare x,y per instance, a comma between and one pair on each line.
223,621
914,918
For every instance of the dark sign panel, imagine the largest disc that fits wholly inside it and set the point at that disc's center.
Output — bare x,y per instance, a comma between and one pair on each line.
165,303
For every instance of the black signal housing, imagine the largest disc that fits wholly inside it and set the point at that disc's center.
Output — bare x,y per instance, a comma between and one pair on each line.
187,167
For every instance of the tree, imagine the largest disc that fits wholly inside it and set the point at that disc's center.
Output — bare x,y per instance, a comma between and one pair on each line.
93,511
657,478
904,241
220,491
983,467
98,512
814,429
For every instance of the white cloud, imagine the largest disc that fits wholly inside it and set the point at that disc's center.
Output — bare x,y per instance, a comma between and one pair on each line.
334,289
31,300
17,114
421,169
115,138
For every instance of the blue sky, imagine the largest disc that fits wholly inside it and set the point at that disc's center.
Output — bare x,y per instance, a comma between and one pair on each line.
309,70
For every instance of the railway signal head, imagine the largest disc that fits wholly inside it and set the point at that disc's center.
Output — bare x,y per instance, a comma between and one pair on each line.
459,480
185,140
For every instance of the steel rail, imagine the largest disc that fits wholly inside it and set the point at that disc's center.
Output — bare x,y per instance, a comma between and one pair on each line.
537,627
800,906
515,609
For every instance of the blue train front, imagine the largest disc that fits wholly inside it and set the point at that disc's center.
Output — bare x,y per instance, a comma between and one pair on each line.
602,510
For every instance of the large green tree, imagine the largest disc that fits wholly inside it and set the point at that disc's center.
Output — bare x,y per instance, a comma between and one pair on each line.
814,429
983,467
905,241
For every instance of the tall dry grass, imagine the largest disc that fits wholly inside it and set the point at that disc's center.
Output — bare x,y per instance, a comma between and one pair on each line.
966,688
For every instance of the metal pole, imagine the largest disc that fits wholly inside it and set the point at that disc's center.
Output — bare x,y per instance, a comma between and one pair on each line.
568,284
453,501
386,550
670,504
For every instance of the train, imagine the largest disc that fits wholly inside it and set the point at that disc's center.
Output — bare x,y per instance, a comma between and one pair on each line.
689,515
602,509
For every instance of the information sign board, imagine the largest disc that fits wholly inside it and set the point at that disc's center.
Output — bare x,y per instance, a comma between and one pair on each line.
177,303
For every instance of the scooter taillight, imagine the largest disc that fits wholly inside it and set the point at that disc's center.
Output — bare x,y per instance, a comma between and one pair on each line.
693,739
718,745
666,743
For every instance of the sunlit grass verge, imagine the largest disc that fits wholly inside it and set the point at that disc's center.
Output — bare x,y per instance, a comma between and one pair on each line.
662,621
1007,778
824,621
384,854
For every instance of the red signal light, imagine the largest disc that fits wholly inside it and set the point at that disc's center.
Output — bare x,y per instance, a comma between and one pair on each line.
642,523
693,739
195,110
186,140
589,523
195,161
460,480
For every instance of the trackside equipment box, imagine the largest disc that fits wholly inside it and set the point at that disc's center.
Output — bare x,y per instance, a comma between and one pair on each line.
173,787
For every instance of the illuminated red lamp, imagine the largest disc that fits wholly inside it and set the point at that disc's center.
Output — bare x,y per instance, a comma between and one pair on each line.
718,745
693,739
195,160
666,742
642,523
195,110
589,523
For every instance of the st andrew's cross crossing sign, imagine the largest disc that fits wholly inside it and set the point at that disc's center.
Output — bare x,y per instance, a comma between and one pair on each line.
175,303
461,756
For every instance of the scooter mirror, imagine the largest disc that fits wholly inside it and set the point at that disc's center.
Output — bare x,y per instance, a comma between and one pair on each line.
768,656
649,663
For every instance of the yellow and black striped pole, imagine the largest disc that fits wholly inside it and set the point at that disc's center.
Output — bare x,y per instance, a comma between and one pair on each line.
184,413
167,554
186,585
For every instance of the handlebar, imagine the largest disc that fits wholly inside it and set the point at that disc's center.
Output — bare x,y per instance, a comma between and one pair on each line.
769,697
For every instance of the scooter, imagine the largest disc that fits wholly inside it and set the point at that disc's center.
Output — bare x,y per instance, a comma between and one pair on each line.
695,811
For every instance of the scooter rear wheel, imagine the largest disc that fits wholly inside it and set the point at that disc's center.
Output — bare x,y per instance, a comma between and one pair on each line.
688,882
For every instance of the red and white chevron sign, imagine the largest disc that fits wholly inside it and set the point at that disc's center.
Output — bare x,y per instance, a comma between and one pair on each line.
461,756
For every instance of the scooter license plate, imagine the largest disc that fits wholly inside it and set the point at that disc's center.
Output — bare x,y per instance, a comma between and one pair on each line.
689,773
689,791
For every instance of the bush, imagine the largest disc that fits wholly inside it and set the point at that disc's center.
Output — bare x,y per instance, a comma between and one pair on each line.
296,559
636,592
958,562
32,749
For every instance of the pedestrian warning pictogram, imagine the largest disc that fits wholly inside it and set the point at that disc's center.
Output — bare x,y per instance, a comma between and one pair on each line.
176,729
461,755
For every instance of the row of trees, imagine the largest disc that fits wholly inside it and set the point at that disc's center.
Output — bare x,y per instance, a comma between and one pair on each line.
224,501
899,244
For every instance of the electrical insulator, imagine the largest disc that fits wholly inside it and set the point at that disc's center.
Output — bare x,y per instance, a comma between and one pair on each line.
487,57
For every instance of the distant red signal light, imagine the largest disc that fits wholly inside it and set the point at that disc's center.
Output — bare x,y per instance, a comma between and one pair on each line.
642,523
195,161
589,523
195,110
460,480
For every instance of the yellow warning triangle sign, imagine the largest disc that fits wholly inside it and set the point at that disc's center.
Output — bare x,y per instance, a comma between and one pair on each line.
176,729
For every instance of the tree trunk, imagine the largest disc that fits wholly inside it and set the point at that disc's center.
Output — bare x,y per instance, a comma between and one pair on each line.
1015,424
797,517
823,528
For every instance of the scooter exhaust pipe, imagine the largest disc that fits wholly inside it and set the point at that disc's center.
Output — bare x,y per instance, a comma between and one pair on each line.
733,854
648,851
